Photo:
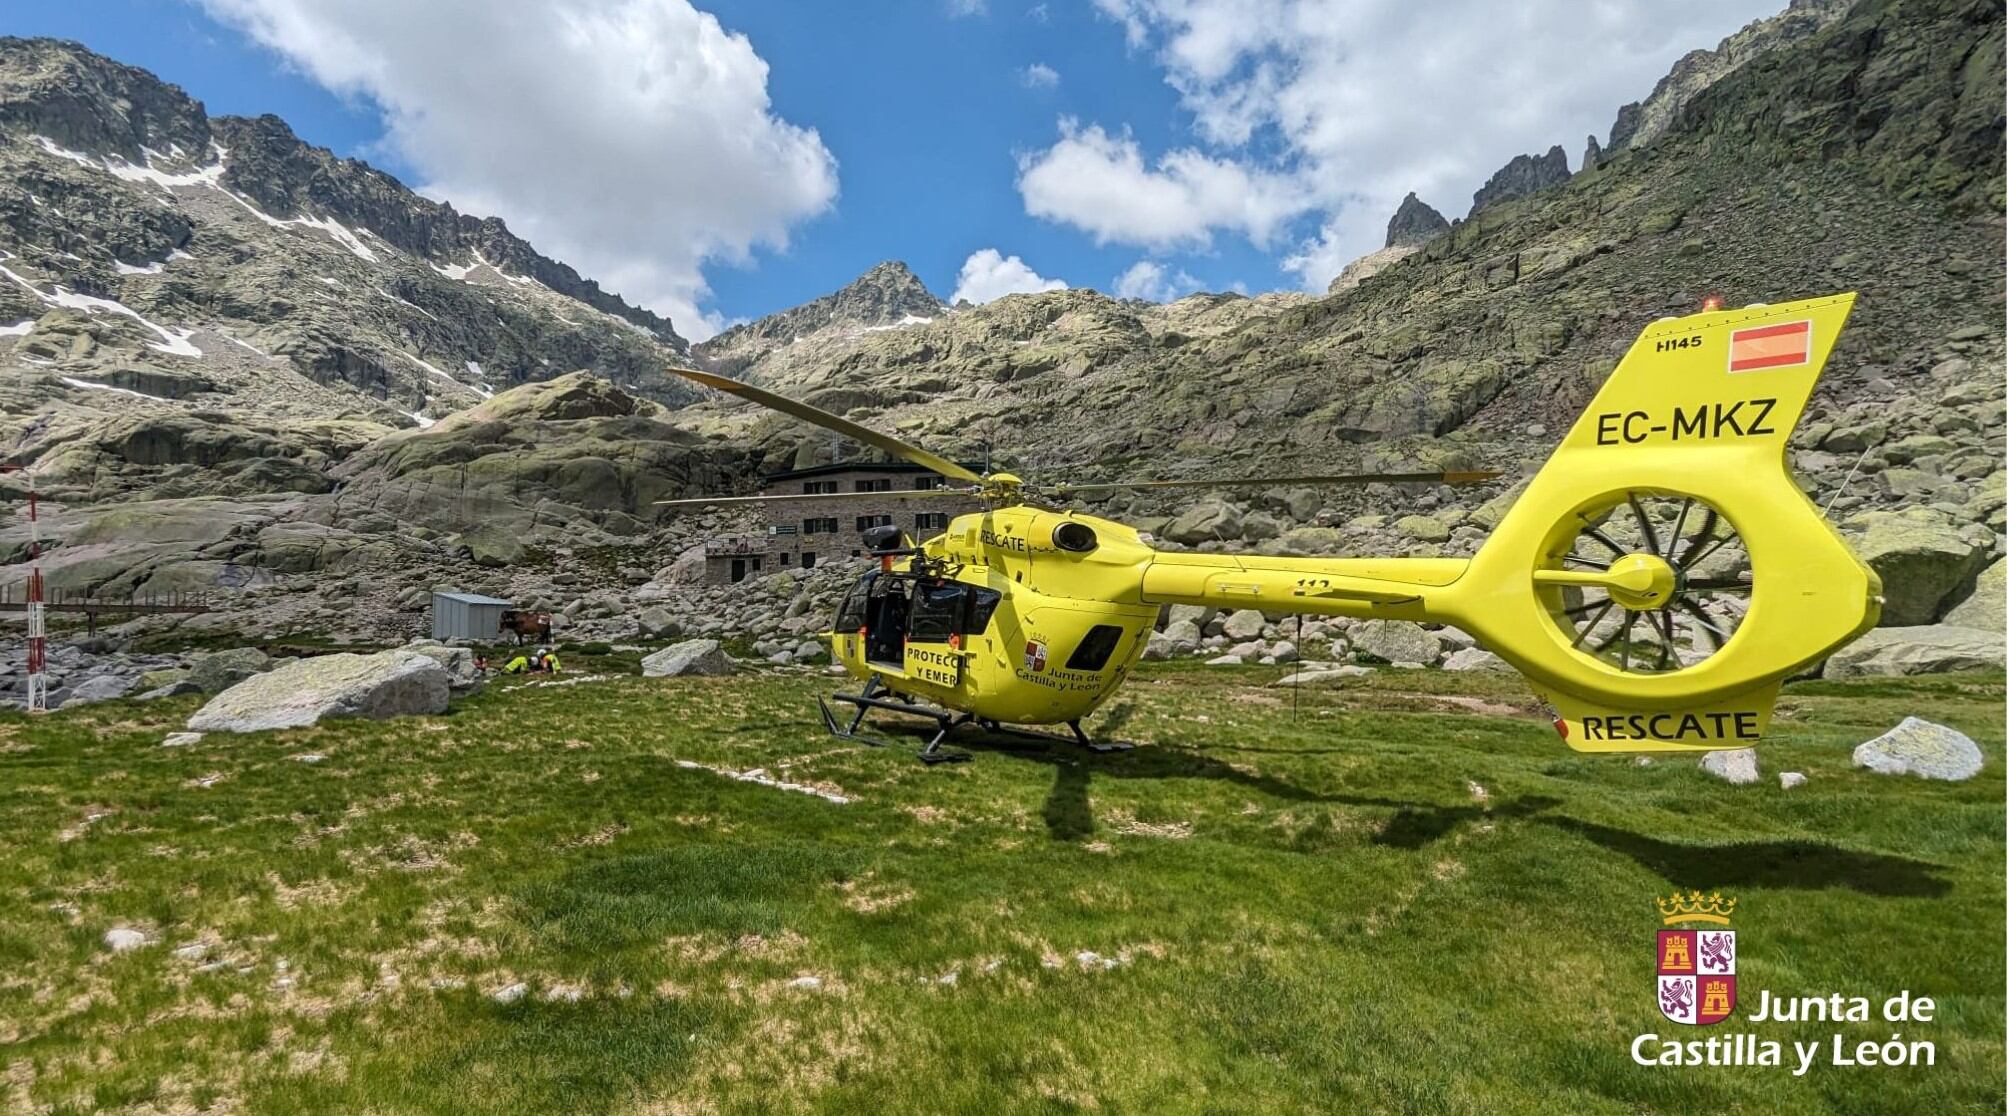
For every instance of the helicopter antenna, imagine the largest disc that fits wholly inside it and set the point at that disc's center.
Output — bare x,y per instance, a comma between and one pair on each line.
1296,687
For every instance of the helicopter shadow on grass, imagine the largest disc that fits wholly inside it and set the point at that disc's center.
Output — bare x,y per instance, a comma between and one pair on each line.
1068,811
1787,865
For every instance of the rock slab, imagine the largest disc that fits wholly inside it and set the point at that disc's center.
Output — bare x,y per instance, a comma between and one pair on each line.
220,670
692,656
301,692
1922,748
1737,766
1923,649
1396,641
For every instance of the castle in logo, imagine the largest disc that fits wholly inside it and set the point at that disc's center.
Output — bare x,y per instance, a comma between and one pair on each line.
1696,967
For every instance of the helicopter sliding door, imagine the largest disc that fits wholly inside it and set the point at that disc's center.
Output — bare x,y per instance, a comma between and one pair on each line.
938,611
934,633
885,612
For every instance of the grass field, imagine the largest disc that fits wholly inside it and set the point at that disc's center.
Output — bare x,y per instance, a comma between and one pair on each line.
1405,896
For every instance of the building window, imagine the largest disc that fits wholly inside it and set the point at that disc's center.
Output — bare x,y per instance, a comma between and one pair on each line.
866,522
808,559
931,521
783,557
819,488
824,525
930,481
882,484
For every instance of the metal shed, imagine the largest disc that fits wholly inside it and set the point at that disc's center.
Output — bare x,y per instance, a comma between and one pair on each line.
467,616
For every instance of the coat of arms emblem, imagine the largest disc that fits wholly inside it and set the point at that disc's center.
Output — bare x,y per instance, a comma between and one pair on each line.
1034,655
1696,967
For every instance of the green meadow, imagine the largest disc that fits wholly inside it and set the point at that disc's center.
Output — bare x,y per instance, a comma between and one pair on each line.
1401,896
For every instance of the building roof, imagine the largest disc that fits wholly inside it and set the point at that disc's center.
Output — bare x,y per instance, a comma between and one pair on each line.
862,467
472,598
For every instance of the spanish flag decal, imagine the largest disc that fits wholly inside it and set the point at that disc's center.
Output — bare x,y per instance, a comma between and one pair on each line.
1772,346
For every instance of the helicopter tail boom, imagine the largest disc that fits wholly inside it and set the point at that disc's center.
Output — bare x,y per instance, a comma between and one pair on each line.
1659,576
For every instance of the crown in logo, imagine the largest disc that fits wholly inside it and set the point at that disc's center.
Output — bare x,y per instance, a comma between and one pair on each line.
1695,907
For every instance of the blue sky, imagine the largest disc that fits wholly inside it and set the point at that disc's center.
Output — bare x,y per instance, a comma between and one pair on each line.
1229,153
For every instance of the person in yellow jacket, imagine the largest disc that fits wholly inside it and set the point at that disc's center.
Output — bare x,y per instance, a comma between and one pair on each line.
518,665
547,661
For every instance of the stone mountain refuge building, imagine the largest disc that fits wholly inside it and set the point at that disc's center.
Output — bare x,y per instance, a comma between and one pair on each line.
802,534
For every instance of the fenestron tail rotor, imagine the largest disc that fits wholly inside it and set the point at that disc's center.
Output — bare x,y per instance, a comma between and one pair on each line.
1651,582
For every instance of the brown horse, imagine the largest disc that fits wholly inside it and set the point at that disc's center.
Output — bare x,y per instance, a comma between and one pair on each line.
531,627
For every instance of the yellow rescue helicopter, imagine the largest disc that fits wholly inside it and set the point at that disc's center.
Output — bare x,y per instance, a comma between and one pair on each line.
1656,582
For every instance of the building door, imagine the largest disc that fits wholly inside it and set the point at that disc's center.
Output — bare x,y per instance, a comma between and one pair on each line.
738,570
808,559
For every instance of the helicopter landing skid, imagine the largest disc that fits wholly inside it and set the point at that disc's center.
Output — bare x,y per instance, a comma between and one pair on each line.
1080,737
930,753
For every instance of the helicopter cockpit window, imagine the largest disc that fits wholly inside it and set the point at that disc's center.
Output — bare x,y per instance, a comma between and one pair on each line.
1093,652
850,614
937,612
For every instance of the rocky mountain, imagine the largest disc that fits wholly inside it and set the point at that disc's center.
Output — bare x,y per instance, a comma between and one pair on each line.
1641,122
1413,223
885,297
1525,174
1863,156
1592,153
154,258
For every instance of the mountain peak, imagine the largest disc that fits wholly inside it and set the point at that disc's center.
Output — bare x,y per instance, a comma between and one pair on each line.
888,294
889,281
1525,174
87,102
1414,222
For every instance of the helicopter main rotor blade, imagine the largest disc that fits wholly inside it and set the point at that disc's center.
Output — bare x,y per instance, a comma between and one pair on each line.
828,421
892,494
1467,476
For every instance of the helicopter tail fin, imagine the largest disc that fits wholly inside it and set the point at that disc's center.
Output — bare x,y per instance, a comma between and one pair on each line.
1677,572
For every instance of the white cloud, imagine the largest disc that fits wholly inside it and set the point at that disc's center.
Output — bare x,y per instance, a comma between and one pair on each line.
1148,279
960,8
1099,182
1038,75
1334,109
989,274
632,139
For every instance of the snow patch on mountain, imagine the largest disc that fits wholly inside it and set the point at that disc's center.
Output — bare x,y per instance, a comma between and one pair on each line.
91,386
173,341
